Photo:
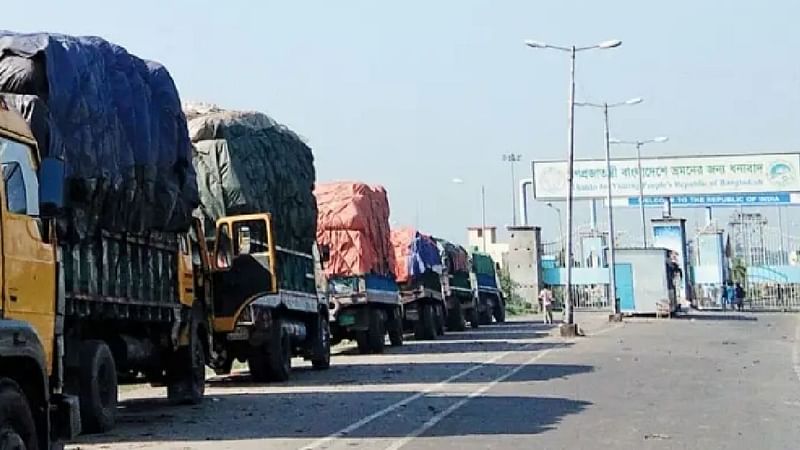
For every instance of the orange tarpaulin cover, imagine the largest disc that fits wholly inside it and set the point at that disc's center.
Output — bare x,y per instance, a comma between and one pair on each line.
353,220
401,242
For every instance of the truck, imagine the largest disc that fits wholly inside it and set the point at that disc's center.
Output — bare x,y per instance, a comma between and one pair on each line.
257,317
419,271
486,289
256,181
460,298
35,411
365,304
107,282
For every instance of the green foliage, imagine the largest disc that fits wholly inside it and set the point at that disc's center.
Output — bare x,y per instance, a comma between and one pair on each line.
515,304
739,271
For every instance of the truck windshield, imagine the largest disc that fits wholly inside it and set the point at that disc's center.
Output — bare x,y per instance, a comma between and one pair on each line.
20,181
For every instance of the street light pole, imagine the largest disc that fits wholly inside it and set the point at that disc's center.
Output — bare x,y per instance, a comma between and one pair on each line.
483,215
612,245
572,50
639,145
512,158
612,252
569,316
641,194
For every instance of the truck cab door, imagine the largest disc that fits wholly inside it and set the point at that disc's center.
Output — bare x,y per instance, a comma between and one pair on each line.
28,262
244,266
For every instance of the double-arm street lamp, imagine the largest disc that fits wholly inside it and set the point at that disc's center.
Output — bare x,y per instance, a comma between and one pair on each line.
572,50
612,259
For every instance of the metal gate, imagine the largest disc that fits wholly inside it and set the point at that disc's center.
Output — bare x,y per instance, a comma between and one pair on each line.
589,271
765,260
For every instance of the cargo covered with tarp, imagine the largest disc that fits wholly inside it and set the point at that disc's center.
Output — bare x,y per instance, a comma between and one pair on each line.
116,120
484,268
248,163
353,221
417,258
456,262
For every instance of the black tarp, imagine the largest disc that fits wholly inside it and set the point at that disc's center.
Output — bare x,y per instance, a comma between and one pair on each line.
248,163
118,122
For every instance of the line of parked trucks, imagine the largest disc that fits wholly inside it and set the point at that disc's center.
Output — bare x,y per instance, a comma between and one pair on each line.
131,260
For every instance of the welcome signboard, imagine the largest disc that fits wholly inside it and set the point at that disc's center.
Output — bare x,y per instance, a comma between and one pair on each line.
671,176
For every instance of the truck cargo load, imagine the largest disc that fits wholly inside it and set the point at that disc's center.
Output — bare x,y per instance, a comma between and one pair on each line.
115,118
416,255
484,268
247,163
353,221
455,260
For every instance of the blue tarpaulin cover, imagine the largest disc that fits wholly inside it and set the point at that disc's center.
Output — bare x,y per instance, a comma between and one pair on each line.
415,254
115,118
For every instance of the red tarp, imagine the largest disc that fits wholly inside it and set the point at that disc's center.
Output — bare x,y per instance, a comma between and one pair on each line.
401,242
353,220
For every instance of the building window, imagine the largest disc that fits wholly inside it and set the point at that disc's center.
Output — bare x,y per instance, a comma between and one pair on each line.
16,197
480,232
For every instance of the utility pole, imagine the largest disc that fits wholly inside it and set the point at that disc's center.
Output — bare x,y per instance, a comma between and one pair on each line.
512,158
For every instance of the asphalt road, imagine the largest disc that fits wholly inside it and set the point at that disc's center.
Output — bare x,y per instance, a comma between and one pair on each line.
714,381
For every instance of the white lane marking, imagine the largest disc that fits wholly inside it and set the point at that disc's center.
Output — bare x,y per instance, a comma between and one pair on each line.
399,404
442,415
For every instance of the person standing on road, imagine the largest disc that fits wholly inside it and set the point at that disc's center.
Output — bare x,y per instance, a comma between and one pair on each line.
546,300
740,294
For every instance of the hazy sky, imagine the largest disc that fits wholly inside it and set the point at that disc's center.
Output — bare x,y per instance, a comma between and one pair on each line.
411,94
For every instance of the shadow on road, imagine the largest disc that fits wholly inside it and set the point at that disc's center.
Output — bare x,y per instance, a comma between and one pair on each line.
315,415
716,317
405,373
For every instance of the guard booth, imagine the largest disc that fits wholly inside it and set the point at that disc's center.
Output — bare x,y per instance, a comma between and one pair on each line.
645,279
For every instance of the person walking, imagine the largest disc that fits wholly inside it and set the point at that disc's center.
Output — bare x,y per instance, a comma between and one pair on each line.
546,300
728,295
740,294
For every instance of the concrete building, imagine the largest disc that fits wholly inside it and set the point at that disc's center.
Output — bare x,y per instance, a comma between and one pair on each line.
522,261
475,241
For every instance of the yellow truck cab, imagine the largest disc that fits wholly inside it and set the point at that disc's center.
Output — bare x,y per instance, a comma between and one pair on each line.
34,412
267,304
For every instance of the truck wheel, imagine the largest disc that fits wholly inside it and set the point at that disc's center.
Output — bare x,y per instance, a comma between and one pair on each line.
321,350
425,328
474,317
17,429
455,319
376,335
438,314
280,354
187,372
499,312
396,328
98,387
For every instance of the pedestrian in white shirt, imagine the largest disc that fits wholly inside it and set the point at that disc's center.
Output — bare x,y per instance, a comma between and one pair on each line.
546,300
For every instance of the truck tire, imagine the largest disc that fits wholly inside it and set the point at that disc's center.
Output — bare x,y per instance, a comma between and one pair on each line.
186,374
321,348
17,428
474,318
376,335
98,387
499,312
485,317
395,328
280,354
425,328
455,319
438,318
272,361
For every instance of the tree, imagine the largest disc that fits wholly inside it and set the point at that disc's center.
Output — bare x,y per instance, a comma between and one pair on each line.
515,304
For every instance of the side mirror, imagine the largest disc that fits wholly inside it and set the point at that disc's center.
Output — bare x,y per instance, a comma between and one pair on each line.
324,253
51,187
